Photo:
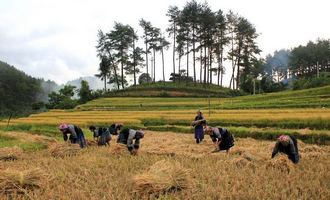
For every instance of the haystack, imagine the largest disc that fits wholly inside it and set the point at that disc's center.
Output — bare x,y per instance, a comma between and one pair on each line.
64,150
10,153
12,181
162,177
280,163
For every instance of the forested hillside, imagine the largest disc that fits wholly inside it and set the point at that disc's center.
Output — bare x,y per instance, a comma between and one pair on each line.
18,91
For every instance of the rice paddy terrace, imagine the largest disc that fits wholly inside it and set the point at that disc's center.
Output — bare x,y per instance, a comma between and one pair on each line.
36,164
304,113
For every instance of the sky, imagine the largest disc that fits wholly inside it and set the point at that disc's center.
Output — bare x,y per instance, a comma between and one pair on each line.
56,39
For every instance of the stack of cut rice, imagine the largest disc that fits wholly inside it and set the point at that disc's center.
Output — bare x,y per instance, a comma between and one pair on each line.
162,177
13,181
118,149
280,163
64,150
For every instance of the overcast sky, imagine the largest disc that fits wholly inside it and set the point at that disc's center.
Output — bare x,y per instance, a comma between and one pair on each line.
55,39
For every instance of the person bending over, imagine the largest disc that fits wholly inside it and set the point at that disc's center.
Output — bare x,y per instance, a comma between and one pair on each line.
222,139
287,144
131,138
101,135
76,135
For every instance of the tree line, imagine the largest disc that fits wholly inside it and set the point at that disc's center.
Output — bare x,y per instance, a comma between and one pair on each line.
197,32
305,63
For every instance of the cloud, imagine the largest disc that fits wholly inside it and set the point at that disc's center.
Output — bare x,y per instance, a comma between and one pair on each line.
56,39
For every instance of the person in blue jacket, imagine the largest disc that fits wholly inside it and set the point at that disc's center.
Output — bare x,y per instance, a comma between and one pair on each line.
198,123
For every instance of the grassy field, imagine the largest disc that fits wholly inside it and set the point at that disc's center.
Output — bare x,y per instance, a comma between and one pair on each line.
247,173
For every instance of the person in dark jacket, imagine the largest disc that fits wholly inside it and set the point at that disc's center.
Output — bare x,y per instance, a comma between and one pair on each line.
115,128
198,124
222,139
131,138
287,144
76,134
95,132
101,135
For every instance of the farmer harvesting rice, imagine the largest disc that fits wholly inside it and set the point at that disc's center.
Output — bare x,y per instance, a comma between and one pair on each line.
101,135
76,134
127,136
115,128
95,132
198,124
222,139
288,145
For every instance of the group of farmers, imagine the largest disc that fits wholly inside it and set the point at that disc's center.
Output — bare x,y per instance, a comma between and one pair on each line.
224,140
102,135
221,137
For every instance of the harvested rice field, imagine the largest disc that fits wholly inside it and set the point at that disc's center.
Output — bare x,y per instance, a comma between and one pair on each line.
168,166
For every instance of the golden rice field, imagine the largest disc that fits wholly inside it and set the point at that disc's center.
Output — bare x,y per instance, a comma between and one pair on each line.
136,117
111,173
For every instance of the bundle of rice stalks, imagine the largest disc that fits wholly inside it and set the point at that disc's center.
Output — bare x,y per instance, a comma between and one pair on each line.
64,150
10,153
12,181
91,143
119,149
280,163
162,177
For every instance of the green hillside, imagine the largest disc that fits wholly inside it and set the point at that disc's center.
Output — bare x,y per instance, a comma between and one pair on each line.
171,89
309,98
18,91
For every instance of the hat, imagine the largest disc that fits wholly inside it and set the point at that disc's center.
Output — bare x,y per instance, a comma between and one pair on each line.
140,133
284,139
63,126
